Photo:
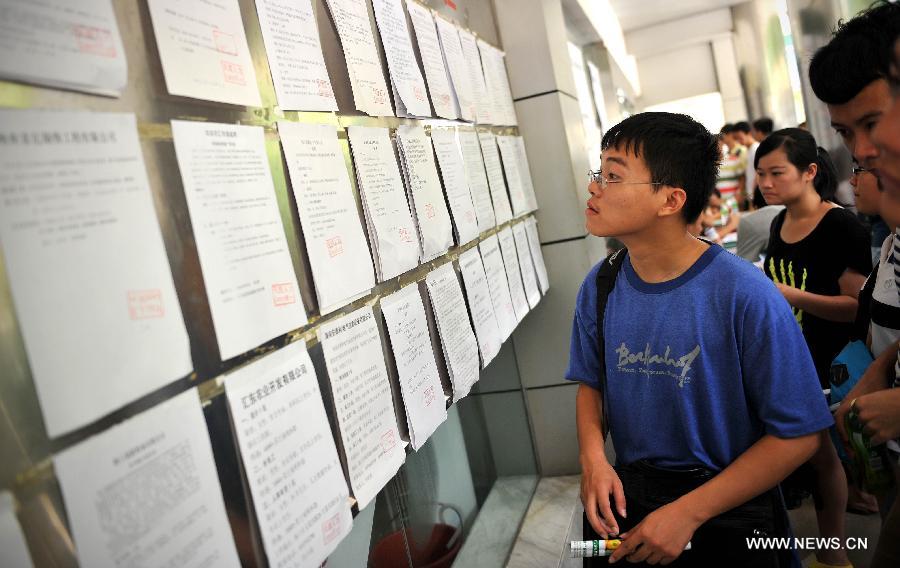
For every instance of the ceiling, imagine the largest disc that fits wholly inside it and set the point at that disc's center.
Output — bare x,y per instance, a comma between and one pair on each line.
634,14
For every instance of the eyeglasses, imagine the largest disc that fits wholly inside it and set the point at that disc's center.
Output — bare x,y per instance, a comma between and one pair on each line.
596,176
858,170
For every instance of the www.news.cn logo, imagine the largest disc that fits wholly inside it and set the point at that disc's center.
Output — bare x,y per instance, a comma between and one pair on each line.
808,543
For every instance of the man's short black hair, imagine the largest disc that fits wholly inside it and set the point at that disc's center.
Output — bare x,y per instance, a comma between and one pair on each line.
727,128
678,151
764,125
858,54
742,126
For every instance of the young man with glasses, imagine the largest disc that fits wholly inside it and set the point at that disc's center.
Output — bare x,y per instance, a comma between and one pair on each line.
703,379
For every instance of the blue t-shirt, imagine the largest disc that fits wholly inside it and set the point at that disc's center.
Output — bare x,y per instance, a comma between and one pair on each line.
700,367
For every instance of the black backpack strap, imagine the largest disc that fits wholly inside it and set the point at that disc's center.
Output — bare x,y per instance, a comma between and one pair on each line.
606,281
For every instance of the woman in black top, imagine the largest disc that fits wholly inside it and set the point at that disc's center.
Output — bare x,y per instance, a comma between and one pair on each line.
818,256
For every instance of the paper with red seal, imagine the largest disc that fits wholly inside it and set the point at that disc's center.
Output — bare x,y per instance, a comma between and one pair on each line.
498,284
395,244
289,458
460,348
478,297
295,55
455,61
407,80
247,268
363,402
477,178
423,188
442,97
513,273
146,492
86,263
494,170
203,50
456,186
526,265
420,384
49,43
354,28
335,242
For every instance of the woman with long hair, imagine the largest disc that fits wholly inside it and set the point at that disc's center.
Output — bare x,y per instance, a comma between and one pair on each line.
818,256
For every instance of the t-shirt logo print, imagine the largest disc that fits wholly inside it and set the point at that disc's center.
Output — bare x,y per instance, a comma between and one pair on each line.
649,363
789,279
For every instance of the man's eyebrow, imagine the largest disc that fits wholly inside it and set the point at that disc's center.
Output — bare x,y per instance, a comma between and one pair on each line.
615,160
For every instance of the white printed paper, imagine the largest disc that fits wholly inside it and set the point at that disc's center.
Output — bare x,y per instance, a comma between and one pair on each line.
525,173
534,243
335,242
295,55
513,273
247,268
477,179
453,173
457,337
432,60
85,258
203,50
478,296
497,84
391,228
526,265
12,541
483,105
494,170
48,43
498,284
363,402
512,165
290,460
424,189
456,66
146,493
370,92
417,369
405,75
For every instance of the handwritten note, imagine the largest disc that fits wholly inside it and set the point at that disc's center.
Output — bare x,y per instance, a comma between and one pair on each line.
436,74
478,296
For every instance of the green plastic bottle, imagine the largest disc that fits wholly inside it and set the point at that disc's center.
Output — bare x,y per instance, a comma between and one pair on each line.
871,464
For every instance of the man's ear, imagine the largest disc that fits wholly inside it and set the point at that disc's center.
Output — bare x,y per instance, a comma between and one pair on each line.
675,198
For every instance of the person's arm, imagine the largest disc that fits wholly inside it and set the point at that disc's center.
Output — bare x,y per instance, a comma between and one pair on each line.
663,534
840,308
598,479
877,377
734,219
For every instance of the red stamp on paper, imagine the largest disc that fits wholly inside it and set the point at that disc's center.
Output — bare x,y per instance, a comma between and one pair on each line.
379,96
450,4
388,440
145,304
225,42
233,73
405,236
445,99
335,246
428,395
324,88
331,528
96,41
283,294
429,211
419,93
470,216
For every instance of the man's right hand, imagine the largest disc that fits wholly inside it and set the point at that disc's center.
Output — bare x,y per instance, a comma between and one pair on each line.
598,481
873,380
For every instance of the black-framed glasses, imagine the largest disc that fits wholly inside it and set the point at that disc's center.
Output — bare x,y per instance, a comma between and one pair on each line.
596,176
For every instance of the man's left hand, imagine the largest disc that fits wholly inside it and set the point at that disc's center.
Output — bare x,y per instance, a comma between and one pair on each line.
659,539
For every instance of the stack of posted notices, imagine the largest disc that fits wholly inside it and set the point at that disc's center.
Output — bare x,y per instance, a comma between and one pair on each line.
423,189
392,233
458,341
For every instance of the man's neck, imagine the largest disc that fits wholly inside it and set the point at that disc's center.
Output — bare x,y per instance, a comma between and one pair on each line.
660,258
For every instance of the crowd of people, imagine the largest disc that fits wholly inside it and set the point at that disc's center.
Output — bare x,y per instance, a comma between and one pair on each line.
718,428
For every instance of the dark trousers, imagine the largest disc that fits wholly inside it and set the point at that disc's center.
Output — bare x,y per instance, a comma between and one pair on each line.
719,542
